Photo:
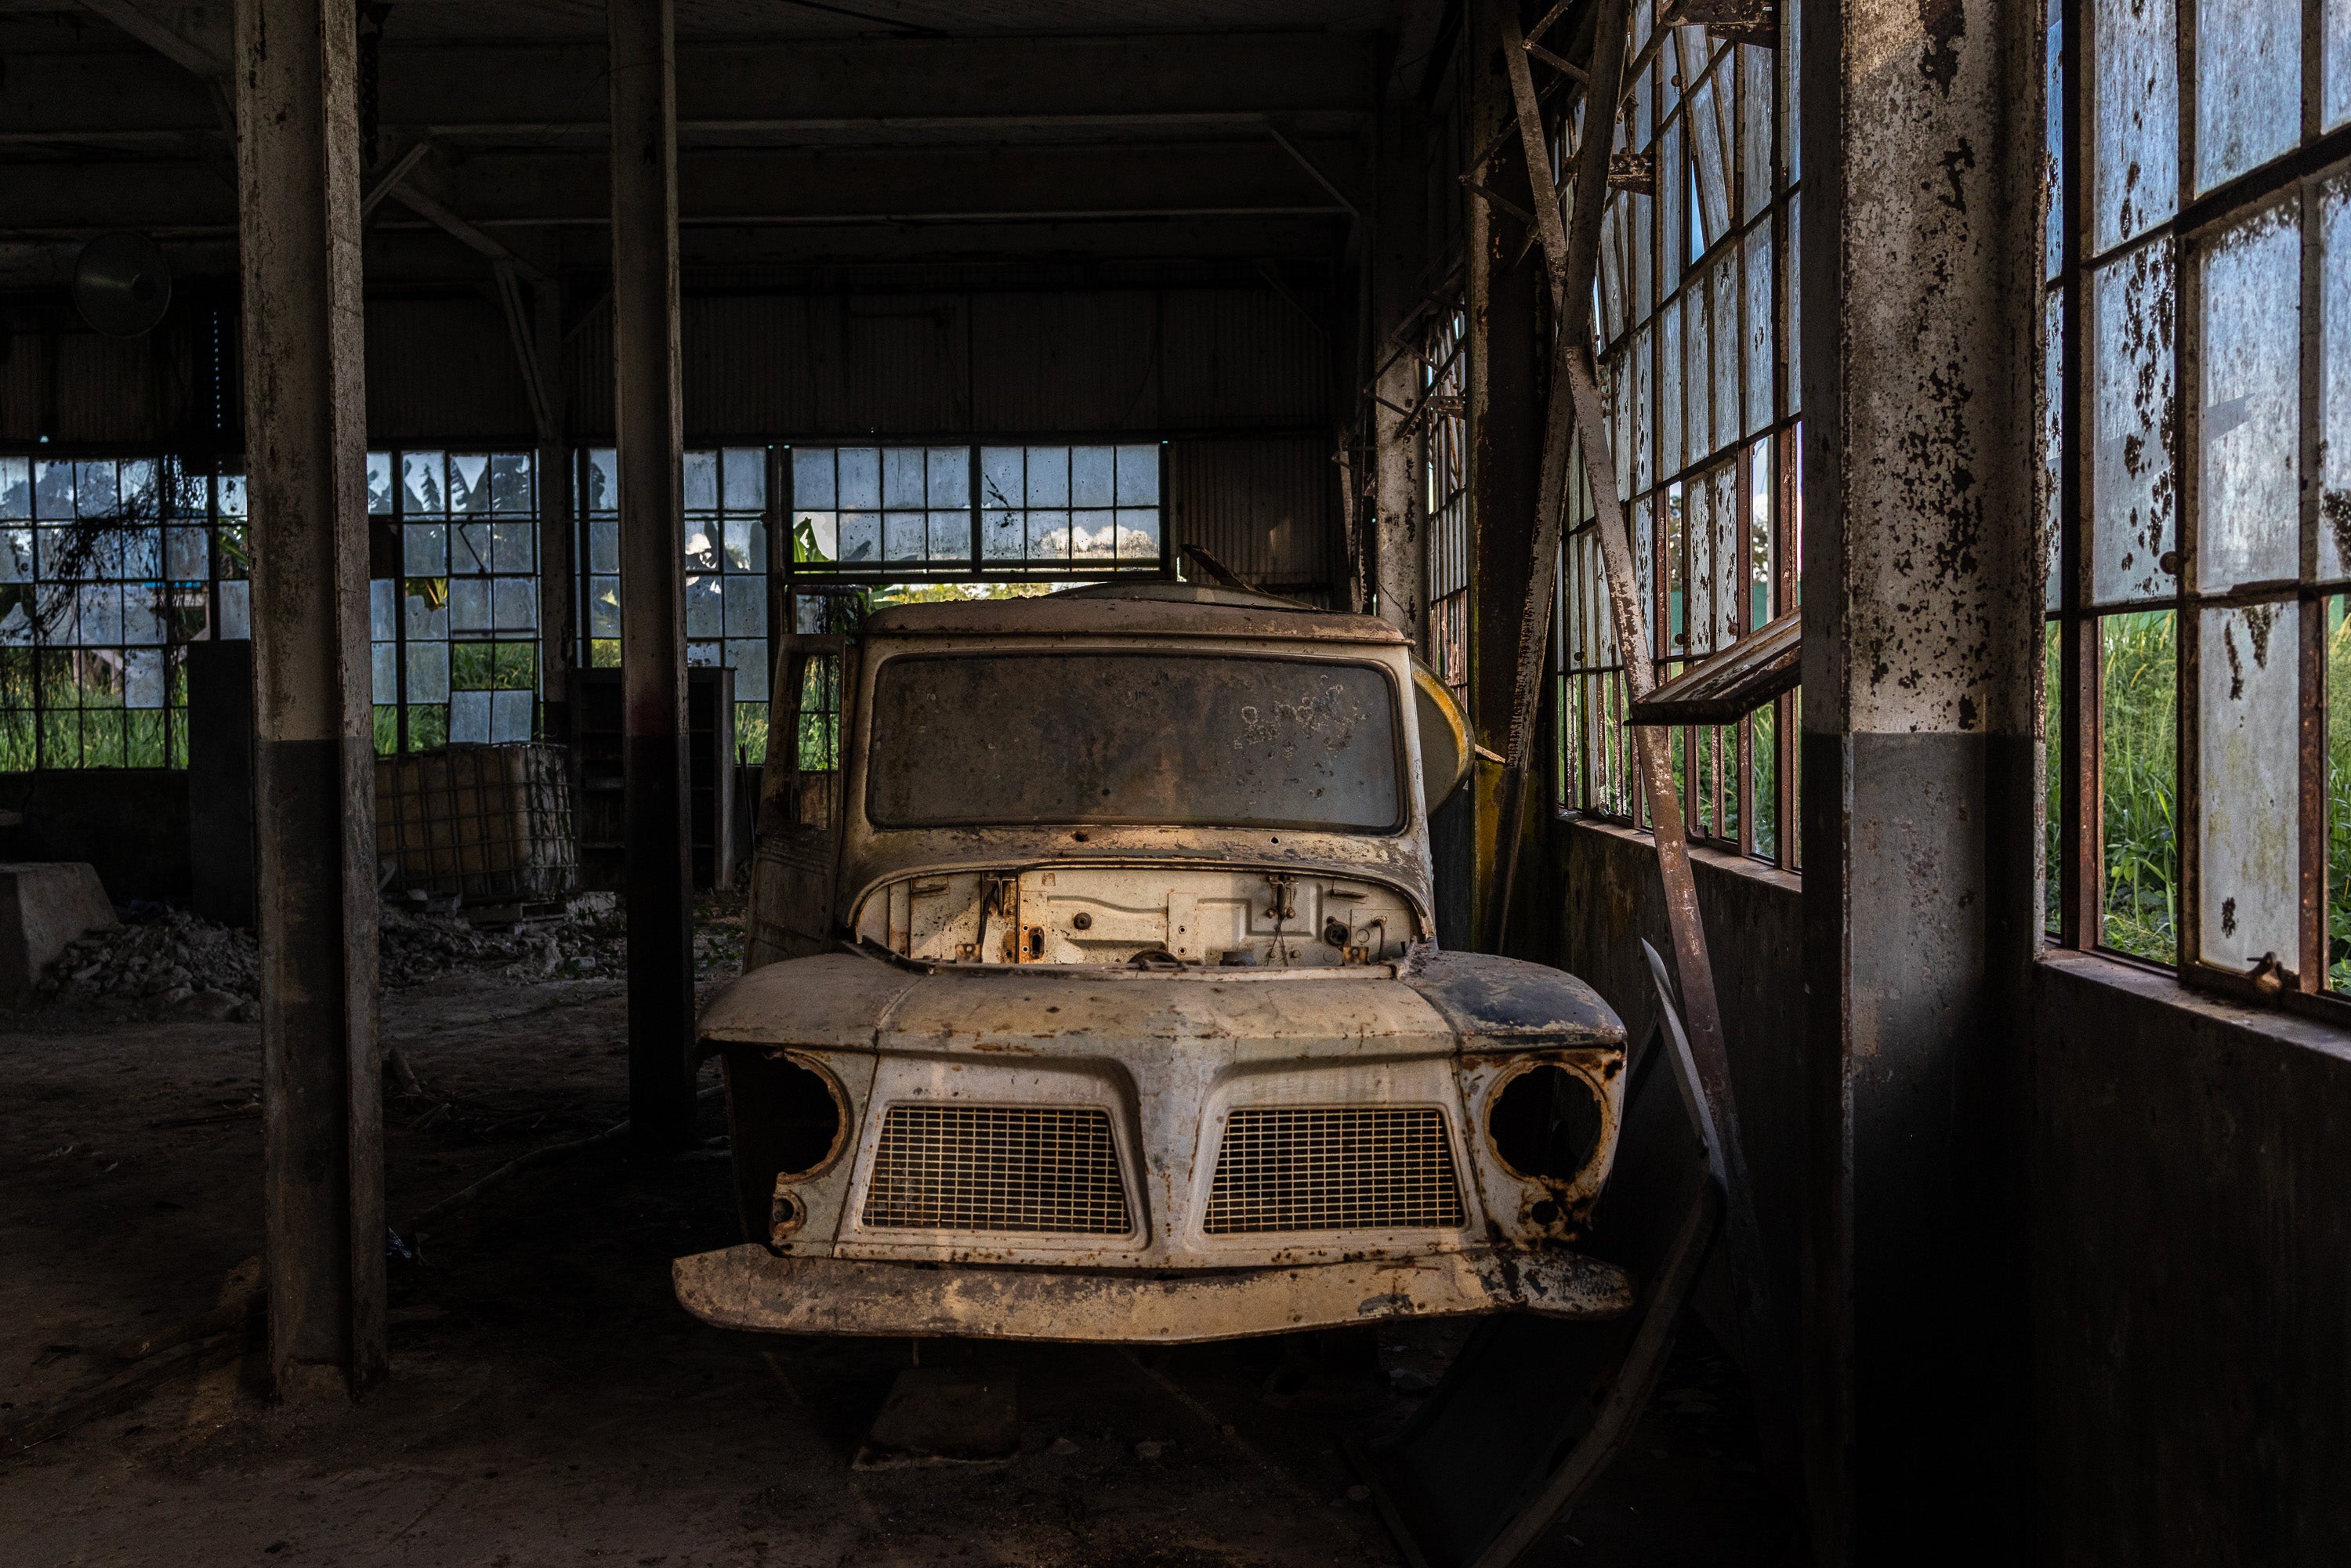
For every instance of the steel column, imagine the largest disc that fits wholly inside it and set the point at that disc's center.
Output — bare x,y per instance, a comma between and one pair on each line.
647,415
1921,288
306,450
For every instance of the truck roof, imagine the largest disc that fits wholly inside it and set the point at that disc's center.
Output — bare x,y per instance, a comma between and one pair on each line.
1154,608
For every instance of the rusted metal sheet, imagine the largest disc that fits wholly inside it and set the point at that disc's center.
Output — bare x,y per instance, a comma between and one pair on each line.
745,1288
441,369
1267,509
1232,359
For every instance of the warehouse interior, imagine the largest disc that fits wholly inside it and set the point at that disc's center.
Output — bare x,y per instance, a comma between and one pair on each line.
414,401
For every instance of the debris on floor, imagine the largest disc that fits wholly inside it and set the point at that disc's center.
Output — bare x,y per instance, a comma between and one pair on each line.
163,957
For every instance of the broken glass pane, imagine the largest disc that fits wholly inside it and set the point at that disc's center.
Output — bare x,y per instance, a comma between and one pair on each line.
2251,419
2248,783
469,482
1673,224
2138,783
510,486
2132,495
2248,86
2135,150
1676,630
421,475
2334,376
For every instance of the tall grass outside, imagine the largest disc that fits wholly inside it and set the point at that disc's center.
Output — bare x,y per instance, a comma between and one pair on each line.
2138,773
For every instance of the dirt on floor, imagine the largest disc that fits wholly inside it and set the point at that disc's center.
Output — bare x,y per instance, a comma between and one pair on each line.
550,1403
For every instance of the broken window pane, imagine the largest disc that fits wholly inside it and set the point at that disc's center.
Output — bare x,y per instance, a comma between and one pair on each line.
2250,419
2138,779
2248,86
2249,782
2132,493
2135,147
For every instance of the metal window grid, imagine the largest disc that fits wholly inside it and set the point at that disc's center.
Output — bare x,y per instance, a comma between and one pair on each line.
1695,318
2198,199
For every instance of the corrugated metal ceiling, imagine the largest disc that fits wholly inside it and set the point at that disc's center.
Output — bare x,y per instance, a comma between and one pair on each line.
421,20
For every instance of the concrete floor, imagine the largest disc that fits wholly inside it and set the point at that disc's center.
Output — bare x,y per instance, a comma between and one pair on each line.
550,1403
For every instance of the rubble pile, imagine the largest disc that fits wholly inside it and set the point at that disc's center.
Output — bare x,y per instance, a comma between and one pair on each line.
164,958
167,956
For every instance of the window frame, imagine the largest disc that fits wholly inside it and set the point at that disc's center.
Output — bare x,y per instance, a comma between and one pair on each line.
2073,613
1589,695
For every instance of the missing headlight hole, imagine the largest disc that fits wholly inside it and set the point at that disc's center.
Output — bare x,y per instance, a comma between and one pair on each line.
1545,1123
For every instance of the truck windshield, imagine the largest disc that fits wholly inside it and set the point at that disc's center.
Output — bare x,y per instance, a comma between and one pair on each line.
1188,739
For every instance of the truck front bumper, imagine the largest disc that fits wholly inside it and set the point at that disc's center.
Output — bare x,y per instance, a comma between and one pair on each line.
748,1287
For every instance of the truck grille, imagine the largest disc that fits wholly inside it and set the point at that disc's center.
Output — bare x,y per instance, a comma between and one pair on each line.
997,1167
1336,1169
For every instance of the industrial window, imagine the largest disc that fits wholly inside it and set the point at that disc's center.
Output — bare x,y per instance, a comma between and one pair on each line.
107,572
913,512
728,583
1696,318
2198,454
454,638
1445,475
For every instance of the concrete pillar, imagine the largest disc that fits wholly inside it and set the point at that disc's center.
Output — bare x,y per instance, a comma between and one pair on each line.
314,762
1921,610
652,568
1399,258
559,585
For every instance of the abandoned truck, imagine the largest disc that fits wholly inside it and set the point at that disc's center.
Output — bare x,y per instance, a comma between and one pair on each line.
1096,996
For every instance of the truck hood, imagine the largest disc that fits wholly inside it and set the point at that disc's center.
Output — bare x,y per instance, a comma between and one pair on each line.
1466,1002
